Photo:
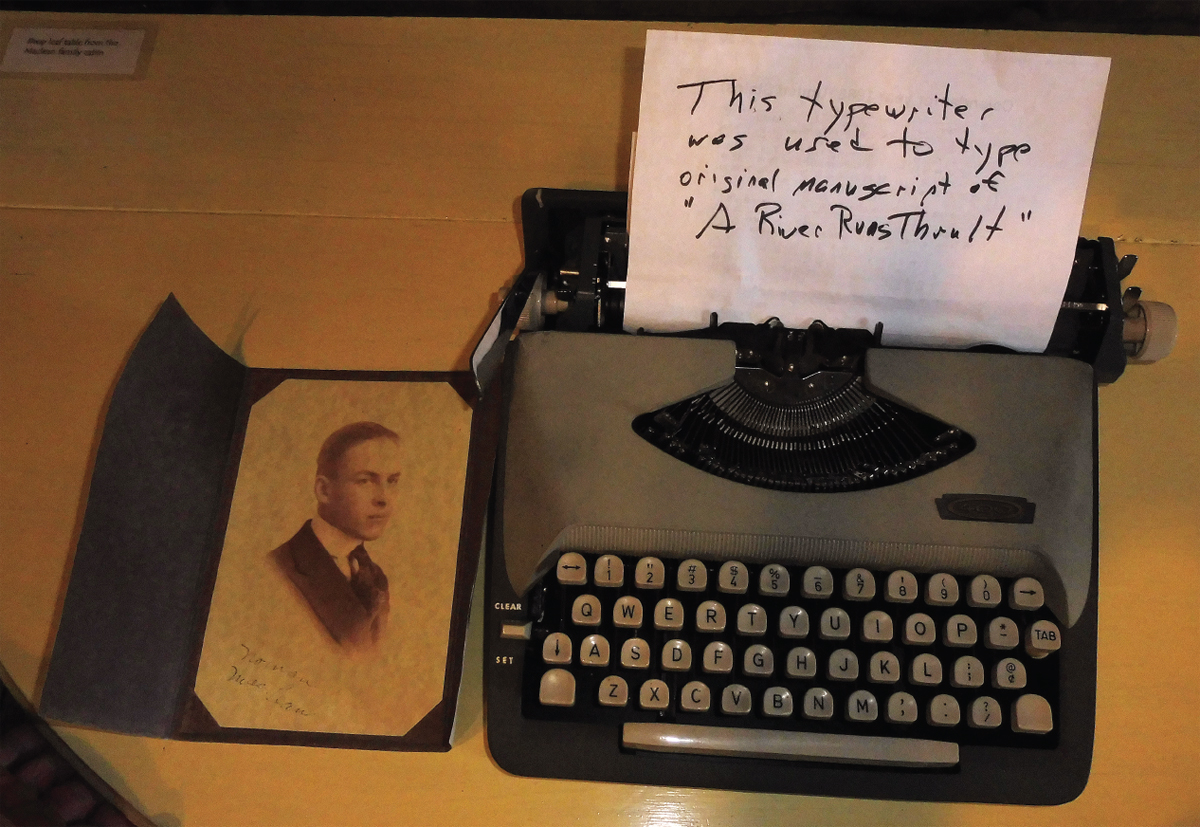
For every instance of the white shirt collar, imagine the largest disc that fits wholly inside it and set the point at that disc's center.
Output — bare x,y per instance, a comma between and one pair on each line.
338,543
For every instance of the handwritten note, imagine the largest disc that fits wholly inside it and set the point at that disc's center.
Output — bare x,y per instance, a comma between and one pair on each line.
938,191
270,682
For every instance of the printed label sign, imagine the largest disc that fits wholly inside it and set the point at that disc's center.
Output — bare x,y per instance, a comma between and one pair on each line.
73,51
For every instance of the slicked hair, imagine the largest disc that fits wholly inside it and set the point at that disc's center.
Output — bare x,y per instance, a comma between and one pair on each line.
343,439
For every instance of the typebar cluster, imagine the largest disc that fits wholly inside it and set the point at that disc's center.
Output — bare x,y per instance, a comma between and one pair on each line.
970,658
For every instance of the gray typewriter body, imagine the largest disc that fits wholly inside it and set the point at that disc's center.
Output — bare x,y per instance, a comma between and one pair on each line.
574,477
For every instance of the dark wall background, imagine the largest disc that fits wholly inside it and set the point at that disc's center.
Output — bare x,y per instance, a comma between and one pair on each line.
1174,17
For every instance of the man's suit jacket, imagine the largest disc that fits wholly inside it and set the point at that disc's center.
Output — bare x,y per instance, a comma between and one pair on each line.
355,611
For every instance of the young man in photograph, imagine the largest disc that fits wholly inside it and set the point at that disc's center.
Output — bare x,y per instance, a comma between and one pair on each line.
357,480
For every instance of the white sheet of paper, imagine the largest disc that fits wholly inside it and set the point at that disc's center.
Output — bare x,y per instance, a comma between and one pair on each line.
936,190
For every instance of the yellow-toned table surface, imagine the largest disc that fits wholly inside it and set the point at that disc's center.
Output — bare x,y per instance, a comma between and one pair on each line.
341,193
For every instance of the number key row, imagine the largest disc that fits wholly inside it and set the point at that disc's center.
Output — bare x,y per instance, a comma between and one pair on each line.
816,582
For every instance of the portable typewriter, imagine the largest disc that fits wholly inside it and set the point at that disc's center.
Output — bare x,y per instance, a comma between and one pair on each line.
755,558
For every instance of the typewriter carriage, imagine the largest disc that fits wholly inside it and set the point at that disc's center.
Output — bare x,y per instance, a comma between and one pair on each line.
577,252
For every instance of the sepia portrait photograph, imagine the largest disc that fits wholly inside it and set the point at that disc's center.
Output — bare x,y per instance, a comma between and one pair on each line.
332,602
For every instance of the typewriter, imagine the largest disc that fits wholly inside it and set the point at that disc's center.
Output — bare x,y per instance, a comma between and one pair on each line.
756,558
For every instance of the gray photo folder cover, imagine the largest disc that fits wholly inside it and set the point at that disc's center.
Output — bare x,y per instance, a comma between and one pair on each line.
129,639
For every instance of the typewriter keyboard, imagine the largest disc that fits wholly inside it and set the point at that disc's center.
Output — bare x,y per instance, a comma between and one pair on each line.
883,667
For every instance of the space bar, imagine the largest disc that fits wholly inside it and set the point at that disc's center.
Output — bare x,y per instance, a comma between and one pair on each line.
790,746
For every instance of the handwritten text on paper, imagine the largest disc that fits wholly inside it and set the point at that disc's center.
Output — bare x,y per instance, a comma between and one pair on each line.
272,682
936,190
826,129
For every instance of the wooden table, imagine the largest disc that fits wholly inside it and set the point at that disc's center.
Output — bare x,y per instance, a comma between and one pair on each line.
292,179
